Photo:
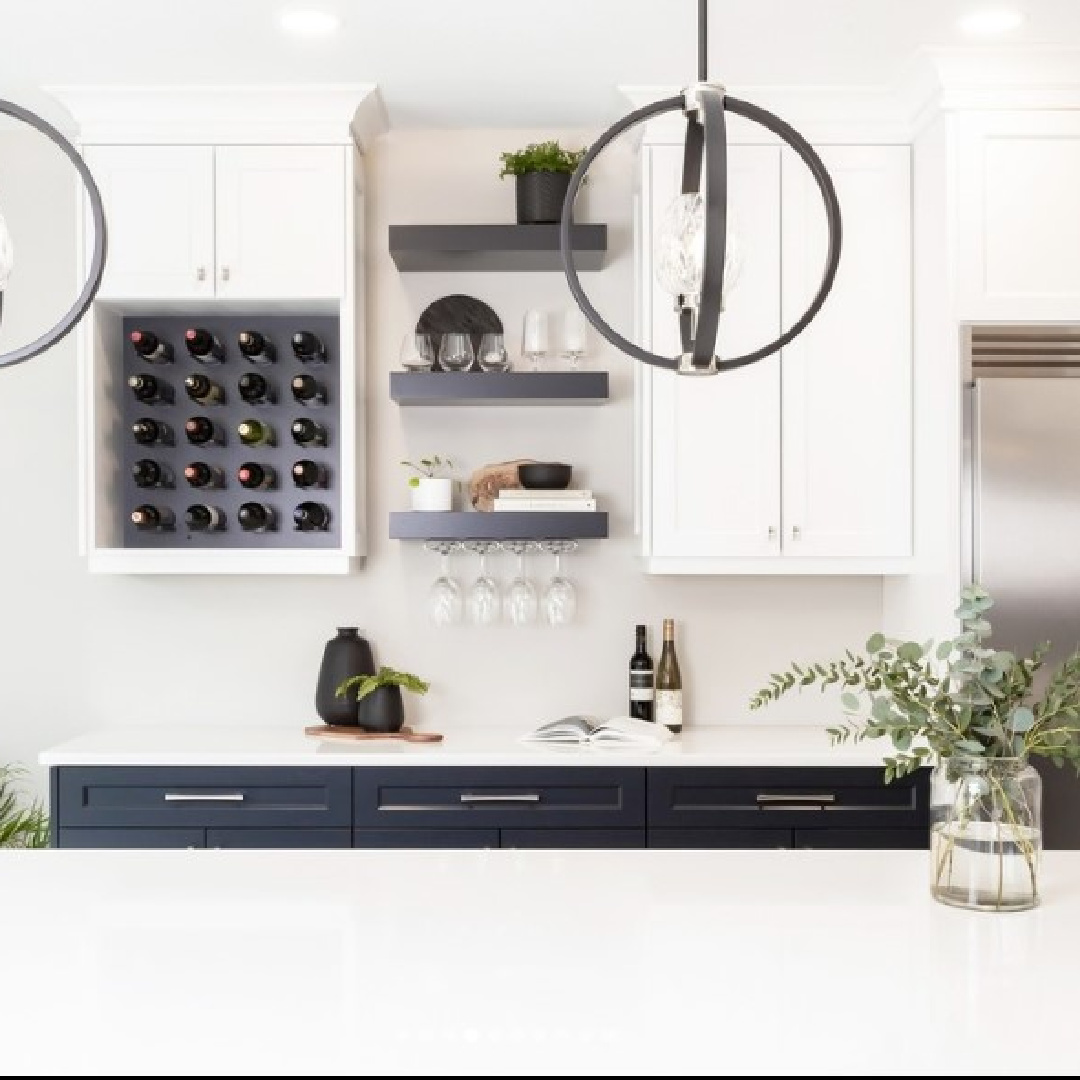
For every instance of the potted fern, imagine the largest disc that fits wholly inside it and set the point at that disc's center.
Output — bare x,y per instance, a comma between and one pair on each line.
379,703
542,174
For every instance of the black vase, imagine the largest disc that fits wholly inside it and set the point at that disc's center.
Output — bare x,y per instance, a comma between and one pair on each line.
540,196
345,655
382,710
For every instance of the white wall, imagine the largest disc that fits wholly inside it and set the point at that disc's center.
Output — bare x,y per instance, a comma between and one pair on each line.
80,651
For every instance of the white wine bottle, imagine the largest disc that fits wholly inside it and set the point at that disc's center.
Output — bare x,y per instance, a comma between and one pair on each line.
669,704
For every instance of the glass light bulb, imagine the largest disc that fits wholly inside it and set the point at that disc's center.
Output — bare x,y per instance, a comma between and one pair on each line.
7,254
680,254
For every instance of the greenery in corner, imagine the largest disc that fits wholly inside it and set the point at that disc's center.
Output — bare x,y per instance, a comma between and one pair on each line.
429,467
385,676
540,157
949,698
22,824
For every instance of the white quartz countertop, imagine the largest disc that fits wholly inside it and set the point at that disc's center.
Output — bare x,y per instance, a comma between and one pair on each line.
526,963
243,745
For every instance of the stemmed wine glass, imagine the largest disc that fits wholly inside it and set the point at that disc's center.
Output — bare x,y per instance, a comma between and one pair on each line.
522,602
573,337
445,597
534,337
483,596
560,596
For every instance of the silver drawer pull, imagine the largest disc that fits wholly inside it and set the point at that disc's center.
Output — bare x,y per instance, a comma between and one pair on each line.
184,796
525,797
821,799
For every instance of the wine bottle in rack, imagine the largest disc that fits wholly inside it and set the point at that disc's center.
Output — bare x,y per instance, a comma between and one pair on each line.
312,517
204,391
669,694
256,477
310,474
255,433
199,474
308,347
151,390
307,390
152,517
258,348
255,390
201,517
201,431
148,473
150,347
149,432
204,346
307,432
255,517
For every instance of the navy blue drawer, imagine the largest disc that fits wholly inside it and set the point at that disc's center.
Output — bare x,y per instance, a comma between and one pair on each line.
721,838
426,838
485,797
572,838
278,838
130,838
862,839
249,797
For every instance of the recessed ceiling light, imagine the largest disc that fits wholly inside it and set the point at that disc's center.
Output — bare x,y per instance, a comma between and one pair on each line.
309,22
988,22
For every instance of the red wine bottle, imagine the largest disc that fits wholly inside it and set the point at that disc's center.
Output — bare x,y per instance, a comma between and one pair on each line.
307,432
255,390
149,432
642,678
256,347
310,474
255,517
152,517
150,347
308,347
150,390
312,517
200,475
202,432
204,391
307,390
200,517
148,473
256,477
203,346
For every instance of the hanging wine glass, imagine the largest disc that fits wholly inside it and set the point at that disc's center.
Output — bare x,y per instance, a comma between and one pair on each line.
560,596
522,601
445,597
483,597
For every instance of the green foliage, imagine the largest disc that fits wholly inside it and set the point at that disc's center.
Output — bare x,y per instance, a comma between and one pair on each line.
430,467
938,700
540,157
365,684
21,825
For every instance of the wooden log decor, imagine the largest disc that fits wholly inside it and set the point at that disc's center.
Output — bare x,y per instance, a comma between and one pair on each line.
489,480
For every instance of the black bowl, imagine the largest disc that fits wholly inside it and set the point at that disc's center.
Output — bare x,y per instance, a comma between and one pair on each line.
544,476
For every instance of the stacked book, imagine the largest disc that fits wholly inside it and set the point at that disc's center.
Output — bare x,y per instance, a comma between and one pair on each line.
517,500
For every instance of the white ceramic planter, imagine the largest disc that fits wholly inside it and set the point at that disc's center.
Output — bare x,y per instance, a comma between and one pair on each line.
433,494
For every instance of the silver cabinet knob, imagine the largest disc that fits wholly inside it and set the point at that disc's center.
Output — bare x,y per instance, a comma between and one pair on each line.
772,532
200,274
796,532
224,273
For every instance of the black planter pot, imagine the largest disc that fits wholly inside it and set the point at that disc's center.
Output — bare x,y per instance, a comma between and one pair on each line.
540,196
345,655
382,710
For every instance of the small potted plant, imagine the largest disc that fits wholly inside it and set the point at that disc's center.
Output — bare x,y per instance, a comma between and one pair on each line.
380,706
432,490
542,173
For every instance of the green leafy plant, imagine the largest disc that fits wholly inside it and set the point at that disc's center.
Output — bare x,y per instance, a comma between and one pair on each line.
429,467
540,157
385,676
22,824
948,698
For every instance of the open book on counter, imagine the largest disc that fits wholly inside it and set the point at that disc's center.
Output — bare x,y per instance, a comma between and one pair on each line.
618,731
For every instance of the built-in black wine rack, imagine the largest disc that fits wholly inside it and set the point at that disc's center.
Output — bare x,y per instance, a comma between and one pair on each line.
285,496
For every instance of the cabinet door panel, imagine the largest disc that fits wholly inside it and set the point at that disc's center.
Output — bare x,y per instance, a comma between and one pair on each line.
426,838
847,439
572,838
159,210
278,838
130,838
281,220
720,838
862,839
713,459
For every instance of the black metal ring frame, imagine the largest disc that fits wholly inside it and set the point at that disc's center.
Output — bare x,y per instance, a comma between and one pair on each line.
97,261
757,115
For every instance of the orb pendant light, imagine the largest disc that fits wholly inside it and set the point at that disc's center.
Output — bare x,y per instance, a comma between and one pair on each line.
695,259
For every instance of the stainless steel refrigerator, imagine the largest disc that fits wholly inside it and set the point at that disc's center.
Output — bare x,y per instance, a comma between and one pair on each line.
1022,508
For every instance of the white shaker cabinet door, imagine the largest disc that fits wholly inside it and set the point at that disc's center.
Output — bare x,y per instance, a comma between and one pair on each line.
711,444
159,212
281,221
847,421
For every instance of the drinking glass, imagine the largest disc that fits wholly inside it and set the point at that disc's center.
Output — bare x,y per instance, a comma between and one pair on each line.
445,597
522,602
560,596
573,337
483,596
534,337
418,352
456,352
493,355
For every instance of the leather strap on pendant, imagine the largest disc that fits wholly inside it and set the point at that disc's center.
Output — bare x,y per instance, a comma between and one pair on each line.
711,301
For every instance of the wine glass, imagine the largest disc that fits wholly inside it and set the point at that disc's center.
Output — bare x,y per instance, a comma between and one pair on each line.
493,355
573,337
522,602
560,596
483,596
534,337
456,352
445,597
418,352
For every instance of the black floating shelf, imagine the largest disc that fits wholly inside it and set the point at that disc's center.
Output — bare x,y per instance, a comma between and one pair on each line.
498,248
499,387
475,525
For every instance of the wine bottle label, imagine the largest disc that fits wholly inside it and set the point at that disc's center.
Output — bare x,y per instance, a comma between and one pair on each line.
669,709
641,686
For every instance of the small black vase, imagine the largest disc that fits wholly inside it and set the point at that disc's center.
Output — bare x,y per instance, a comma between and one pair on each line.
382,710
540,196
345,655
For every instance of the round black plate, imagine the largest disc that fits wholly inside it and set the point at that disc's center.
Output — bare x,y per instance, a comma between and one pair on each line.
459,314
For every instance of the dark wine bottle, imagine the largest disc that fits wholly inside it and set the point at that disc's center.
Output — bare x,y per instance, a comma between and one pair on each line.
150,390
150,347
255,390
148,473
256,477
255,517
307,432
669,704
200,475
310,474
308,348
201,432
312,517
152,517
307,390
256,347
149,432
642,674
255,433
204,391
201,517
203,346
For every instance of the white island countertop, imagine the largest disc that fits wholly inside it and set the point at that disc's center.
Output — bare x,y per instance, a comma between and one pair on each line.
742,745
526,963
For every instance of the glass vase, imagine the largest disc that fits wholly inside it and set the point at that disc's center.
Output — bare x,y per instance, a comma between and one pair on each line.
985,833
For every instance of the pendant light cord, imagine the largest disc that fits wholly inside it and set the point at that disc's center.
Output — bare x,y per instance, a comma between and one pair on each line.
703,40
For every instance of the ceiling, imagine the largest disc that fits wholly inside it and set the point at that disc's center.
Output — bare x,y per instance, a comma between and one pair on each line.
466,63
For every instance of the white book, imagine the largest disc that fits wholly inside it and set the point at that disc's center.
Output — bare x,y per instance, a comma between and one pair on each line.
545,493
626,731
536,506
